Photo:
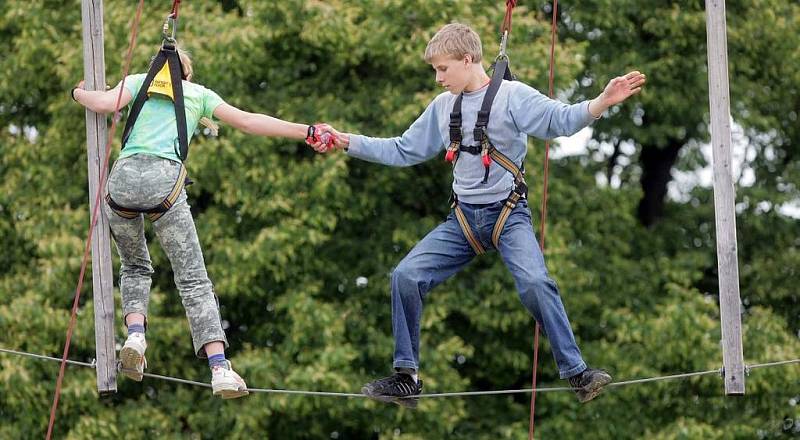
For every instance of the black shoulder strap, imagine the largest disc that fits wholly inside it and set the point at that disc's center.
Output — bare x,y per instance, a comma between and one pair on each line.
176,75
141,97
166,55
455,120
501,71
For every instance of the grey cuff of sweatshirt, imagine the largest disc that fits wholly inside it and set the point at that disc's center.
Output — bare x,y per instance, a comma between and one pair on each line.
589,116
355,145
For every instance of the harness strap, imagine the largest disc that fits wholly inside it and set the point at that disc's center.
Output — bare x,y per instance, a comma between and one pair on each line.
488,153
157,211
455,131
511,203
467,230
505,162
500,69
519,192
167,55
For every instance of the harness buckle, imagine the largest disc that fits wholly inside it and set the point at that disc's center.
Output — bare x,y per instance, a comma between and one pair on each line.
171,21
486,146
452,151
479,133
503,44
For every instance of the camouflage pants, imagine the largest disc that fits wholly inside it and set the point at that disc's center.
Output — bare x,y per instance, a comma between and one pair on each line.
143,181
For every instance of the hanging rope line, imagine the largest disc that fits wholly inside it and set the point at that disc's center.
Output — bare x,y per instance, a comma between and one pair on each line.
717,372
506,27
545,179
95,211
175,5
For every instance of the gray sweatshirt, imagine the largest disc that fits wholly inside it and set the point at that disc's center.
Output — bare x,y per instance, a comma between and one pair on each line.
517,112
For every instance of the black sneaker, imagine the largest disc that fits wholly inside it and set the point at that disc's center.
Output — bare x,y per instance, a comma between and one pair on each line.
589,383
398,388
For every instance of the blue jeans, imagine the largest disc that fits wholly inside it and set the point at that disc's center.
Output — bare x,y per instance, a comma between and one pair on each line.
445,251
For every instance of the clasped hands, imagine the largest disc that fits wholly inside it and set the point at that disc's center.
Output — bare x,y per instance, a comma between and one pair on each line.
323,138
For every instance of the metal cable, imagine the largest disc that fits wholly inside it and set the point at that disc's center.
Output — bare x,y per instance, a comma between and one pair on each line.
717,372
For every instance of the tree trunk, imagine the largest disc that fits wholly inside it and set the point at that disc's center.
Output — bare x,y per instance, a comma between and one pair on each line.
656,166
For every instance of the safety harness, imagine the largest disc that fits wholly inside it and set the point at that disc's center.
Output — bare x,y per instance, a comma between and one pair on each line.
488,153
164,80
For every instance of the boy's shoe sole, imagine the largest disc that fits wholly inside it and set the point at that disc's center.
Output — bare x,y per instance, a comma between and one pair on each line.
406,402
130,359
593,388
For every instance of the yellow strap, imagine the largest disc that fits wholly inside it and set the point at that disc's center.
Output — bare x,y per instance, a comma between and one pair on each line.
467,230
162,83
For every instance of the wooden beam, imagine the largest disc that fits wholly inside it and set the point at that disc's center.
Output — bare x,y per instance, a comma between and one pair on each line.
96,135
724,198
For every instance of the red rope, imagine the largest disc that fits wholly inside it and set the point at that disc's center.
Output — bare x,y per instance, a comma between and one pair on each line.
97,203
175,5
506,27
553,29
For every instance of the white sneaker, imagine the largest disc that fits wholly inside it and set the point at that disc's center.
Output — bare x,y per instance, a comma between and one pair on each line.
132,356
226,383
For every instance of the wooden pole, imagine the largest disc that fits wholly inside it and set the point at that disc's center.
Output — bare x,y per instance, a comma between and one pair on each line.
96,135
724,198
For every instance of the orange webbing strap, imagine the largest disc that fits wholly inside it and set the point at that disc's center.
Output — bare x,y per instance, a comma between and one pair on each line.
505,162
511,203
155,212
467,230
172,197
120,211
513,198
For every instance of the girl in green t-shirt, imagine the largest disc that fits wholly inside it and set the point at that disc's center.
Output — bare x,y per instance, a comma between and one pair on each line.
148,172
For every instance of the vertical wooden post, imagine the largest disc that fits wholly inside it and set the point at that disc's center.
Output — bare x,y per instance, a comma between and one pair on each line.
96,134
724,195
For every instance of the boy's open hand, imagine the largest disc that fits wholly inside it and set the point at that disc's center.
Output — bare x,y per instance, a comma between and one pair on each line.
622,87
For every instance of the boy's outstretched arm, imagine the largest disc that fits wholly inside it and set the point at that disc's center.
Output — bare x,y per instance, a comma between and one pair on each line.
421,141
537,115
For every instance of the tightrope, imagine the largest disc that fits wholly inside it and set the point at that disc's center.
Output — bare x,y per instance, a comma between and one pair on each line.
717,372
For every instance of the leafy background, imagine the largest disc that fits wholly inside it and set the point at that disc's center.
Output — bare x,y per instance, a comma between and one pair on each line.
286,232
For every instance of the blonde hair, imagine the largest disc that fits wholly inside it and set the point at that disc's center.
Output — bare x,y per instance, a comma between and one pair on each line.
186,63
455,40
188,71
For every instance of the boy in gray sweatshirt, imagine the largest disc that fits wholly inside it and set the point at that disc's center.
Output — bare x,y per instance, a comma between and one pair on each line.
490,209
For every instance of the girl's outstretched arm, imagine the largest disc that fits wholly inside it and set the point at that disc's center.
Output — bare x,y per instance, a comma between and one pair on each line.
259,124
100,101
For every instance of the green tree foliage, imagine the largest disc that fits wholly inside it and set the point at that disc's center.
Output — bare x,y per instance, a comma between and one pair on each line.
667,40
286,233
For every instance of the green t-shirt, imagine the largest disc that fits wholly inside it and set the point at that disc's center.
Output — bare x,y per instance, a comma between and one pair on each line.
156,131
